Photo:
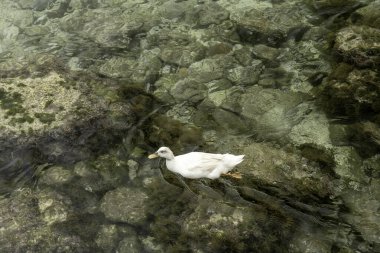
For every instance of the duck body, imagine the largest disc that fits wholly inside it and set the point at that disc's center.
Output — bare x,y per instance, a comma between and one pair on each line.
199,164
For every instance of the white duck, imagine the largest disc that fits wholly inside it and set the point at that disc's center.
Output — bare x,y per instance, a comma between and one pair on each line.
199,164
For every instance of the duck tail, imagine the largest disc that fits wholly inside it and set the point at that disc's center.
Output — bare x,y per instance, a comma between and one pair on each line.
233,160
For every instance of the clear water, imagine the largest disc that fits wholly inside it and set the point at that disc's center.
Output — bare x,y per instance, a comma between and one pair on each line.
90,88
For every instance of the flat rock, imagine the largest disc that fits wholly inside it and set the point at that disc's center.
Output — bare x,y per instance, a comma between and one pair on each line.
124,205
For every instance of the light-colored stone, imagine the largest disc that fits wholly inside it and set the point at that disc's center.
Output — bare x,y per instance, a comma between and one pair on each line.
125,205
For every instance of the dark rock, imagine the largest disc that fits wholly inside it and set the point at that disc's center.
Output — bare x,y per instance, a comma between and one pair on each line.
366,137
371,167
356,95
340,134
275,78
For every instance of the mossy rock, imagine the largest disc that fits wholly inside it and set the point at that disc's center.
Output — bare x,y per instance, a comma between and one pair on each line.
46,118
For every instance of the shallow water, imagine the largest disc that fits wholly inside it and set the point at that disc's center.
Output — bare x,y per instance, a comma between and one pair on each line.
89,88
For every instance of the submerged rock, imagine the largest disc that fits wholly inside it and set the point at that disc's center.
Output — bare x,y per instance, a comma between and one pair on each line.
363,205
54,207
150,245
272,112
352,92
284,169
262,22
313,129
222,226
359,45
210,69
348,164
265,52
37,104
371,166
181,55
243,70
125,205
248,75
107,237
141,71
243,54
129,245
25,230
56,176
303,242
368,15
366,136
188,90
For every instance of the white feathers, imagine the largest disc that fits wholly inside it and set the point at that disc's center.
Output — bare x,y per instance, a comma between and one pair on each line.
199,164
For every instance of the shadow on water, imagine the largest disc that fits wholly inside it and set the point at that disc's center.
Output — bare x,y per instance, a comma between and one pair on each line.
24,157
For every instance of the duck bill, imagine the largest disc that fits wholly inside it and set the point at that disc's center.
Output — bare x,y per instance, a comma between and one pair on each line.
152,156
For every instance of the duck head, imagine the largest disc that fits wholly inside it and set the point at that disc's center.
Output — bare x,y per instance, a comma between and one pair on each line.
163,152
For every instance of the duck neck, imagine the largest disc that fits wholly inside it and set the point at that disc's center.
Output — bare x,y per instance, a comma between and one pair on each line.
170,156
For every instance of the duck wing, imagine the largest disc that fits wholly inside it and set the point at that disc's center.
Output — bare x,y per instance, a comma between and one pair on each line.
201,162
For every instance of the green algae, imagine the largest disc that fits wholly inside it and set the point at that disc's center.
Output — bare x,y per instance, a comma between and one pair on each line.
11,102
25,119
45,117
